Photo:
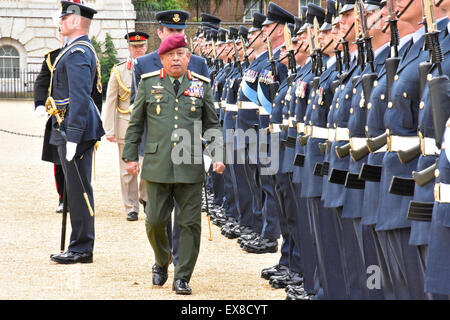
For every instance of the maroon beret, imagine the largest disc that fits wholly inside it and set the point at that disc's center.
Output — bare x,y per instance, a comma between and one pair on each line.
172,42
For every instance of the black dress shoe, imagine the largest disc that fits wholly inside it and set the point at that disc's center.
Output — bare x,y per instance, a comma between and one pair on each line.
70,257
181,287
160,274
276,270
132,216
262,245
292,279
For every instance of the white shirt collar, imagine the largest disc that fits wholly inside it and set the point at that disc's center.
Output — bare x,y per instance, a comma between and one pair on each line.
418,34
448,26
380,49
404,40
74,39
331,61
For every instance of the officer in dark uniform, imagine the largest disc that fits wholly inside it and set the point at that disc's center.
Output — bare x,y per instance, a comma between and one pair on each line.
247,121
277,17
437,273
49,152
400,121
241,189
80,128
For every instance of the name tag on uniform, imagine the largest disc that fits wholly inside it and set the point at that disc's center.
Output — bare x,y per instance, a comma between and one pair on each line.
195,89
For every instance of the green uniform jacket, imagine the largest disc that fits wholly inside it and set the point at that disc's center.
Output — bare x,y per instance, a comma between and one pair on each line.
170,116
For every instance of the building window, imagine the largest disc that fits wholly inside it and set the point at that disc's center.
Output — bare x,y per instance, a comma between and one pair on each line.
305,2
253,6
9,62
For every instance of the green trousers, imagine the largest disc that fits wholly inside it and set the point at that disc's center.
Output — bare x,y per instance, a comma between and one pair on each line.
161,197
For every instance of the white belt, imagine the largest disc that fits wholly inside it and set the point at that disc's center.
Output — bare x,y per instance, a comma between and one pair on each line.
217,105
341,134
300,127
357,143
402,143
331,134
285,122
247,105
275,127
442,192
291,121
428,147
262,111
318,132
383,149
231,107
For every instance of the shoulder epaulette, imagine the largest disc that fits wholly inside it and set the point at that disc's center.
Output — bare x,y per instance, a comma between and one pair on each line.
150,74
51,51
196,75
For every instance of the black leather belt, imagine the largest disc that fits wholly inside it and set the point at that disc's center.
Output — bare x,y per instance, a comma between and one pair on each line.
420,211
370,172
402,186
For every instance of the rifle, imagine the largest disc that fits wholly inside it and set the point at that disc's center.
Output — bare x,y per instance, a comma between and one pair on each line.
438,85
237,59
319,60
244,48
393,61
312,49
273,87
292,65
359,42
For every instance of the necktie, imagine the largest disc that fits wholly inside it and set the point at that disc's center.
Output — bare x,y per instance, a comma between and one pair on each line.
176,86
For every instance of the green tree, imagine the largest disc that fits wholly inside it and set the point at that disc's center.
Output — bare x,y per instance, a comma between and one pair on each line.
108,58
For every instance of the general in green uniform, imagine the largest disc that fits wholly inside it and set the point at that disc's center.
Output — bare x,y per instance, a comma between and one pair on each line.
169,115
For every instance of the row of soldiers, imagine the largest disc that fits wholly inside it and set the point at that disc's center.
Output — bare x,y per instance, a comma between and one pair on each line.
333,123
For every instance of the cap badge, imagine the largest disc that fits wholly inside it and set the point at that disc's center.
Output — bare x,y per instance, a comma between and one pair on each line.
176,17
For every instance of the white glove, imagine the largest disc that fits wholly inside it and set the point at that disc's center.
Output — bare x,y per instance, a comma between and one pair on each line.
71,148
40,112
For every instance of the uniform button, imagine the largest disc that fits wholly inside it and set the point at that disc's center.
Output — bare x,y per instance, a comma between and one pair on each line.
175,126
369,105
304,118
405,95
289,112
335,125
429,77
314,107
175,135
174,144
389,105
337,105
328,125
176,100
309,101
176,108
343,87
367,129
176,117
422,105
388,132
436,173
354,90
270,116
375,83
346,97
396,77
351,110
383,97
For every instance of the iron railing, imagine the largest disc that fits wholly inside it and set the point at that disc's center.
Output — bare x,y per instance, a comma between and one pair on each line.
17,83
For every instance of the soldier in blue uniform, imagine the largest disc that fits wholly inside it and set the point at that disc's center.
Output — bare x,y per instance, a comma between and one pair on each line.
247,121
400,121
437,274
352,209
72,81
241,188
273,29
424,194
